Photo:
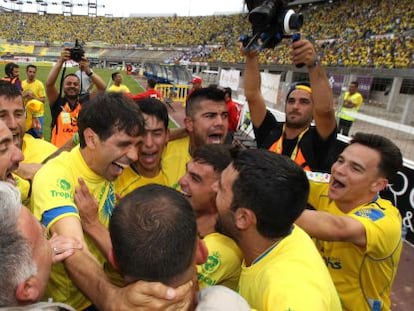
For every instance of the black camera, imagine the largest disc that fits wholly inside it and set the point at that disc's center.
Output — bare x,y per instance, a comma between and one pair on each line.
77,52
271,22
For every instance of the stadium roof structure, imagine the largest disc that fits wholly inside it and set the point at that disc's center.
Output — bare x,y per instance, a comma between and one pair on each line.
65,7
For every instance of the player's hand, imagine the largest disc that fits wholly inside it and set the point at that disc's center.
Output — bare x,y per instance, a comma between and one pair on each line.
63,247
152,296
87,205
303,52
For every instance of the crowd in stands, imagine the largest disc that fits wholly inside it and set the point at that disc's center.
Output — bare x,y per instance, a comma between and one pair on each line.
349,33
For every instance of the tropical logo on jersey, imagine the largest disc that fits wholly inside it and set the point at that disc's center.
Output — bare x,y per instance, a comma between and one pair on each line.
63,189
212,263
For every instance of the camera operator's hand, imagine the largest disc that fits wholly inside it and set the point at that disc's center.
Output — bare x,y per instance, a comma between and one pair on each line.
65,54
303,52
84,65
249,52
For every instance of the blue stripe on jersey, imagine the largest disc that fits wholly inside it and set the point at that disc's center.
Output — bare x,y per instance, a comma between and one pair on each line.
51,214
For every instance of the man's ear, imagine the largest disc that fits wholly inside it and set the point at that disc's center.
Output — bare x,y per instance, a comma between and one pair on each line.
189,124
244,218
379,184
28,291
90,138
201,252
112,260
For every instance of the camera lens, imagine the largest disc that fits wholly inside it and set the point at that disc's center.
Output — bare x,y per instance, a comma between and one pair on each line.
296,21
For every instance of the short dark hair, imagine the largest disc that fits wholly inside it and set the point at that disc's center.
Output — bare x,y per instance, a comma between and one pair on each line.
355,83
216,155
9,90
152,83
227,91
196,97
271,185
8,69
154,107
108,112
153,232
391,160
31,66
114,75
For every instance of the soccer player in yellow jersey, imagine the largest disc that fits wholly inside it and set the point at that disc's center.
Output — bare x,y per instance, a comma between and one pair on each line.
34,96
224,256
35,151
353,100
356,231
117,85
206,122
260,195
147,169
110,129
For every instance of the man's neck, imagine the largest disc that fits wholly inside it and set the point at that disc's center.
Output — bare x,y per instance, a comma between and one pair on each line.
254,245
292,133
347,206
206,223
139,169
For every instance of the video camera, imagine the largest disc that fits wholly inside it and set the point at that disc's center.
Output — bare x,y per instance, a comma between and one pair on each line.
77,52
271,22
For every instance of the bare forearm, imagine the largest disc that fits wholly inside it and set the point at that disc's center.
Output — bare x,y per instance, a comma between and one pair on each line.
324,111
99,82
252,90
100,235
54,73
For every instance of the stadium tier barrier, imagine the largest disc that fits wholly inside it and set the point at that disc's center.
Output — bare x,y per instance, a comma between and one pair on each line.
177,92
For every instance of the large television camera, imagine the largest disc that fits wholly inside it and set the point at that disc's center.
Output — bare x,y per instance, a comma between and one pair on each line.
271,21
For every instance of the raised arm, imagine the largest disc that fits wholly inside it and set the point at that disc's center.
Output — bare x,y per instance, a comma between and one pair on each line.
52,92
96,79
328,227
323,112
252,90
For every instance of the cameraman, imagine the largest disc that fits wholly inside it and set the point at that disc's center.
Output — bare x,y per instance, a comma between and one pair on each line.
309,146
64,110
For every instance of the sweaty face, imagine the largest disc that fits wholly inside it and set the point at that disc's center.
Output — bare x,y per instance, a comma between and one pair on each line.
355,177
197,186
10,155
71,87
299,109
114,154
31,73
153,143
209,124
224,199
13,114
41,250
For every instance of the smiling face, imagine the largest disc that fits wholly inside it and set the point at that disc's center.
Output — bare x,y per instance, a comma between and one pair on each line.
12,113
153,143
209,124
299,109
111,156
10,155
197,186
71,86
355,179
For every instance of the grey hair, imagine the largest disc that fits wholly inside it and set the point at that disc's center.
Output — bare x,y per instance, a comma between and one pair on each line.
16,264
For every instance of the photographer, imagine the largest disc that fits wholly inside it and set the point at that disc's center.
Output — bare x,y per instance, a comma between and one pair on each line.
309,146
65,110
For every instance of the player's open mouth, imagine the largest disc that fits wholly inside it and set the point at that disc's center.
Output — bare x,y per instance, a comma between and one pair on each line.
10,178
336,184
215,138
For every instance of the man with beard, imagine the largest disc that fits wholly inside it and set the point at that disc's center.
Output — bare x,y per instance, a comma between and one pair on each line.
206,122
65,110
309,146
356,231
259,196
